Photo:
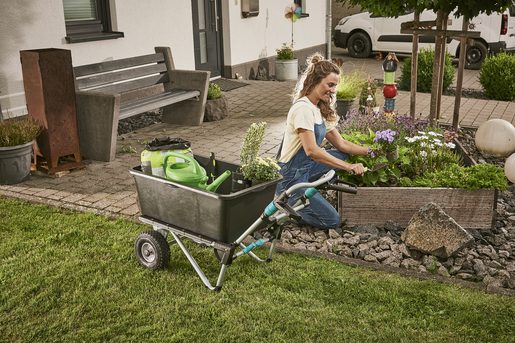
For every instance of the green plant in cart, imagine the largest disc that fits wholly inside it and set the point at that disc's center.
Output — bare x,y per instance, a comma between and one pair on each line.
252,166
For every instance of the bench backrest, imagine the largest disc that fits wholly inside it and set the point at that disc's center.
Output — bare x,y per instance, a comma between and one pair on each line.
124,75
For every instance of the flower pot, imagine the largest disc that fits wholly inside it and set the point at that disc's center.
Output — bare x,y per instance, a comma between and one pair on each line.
286,70
239,182
392,155
15,163
343,107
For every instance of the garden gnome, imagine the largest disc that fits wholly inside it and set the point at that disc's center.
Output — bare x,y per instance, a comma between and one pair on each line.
389,88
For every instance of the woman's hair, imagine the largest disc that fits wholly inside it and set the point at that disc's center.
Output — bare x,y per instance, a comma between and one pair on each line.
317,69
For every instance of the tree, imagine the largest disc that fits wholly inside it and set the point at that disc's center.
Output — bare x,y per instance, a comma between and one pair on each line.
466,8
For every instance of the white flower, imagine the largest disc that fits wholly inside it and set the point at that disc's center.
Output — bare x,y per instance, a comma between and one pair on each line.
450,145
438,143
434,153
411,139
436,140
423,144
435,134
423,154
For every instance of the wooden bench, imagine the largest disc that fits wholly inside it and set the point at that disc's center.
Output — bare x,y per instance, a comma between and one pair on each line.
109,91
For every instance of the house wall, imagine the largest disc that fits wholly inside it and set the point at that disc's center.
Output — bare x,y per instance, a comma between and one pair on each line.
29,24
249,42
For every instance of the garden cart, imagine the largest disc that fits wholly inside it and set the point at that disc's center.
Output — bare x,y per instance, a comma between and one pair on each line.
224,221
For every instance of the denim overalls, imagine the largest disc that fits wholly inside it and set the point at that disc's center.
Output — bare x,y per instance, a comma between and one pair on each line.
320,213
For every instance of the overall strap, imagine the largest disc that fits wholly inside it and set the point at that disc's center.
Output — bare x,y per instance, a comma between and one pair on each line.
278,155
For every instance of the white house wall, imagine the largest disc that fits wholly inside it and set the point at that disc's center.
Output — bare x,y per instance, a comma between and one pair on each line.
36,24
249,39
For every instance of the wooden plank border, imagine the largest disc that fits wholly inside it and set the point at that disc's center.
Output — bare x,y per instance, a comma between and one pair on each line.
472,209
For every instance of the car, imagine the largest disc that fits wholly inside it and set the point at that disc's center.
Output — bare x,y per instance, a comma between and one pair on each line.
364,33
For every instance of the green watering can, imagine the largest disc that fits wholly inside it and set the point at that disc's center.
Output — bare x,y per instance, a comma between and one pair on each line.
189,172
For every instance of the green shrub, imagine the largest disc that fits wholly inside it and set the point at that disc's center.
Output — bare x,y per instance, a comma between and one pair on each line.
214,91
455,176
285,52
18,131
425,72
497,76
349,86
365,92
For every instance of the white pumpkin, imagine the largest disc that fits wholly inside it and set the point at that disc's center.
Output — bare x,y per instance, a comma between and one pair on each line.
496,137
509,168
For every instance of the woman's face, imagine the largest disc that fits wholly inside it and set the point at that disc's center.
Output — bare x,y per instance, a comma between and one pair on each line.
326,88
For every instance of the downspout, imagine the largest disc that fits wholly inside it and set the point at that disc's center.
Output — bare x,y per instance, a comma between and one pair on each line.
328,29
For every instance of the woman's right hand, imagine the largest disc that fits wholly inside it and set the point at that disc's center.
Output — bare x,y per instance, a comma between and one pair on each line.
357,168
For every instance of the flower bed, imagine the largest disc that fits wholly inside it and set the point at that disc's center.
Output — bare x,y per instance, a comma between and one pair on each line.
428,158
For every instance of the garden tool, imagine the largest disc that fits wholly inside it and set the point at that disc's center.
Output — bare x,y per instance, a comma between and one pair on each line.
184,169
376,167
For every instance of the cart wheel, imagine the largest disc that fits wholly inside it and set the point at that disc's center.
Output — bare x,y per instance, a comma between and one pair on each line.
152,250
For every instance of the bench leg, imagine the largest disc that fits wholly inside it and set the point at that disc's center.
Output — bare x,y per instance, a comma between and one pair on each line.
188,113
97,119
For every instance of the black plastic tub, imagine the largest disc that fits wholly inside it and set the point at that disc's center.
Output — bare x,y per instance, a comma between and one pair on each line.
222,216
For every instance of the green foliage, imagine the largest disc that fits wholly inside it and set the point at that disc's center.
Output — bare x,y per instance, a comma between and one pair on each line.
349,86
425,71
395,8
73,277
214,91
18,131
285,52
497,76
254,167
456,176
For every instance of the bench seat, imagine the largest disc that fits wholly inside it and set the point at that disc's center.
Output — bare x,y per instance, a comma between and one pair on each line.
109,91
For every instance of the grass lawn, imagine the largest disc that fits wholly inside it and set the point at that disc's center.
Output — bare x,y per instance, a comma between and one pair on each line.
68,276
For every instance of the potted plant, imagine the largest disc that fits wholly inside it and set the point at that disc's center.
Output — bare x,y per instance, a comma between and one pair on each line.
347,90
254,169
286,65
216,104
16,139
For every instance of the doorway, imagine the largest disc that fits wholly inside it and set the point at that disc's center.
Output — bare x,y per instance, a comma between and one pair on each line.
207,35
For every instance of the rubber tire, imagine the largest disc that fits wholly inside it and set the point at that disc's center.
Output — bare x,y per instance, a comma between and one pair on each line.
359,45
477,54
152,250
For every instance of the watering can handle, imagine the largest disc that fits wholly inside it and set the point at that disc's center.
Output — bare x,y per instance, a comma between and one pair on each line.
188,158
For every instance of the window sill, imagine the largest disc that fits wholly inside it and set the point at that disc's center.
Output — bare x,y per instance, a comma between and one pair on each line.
304,15
89,37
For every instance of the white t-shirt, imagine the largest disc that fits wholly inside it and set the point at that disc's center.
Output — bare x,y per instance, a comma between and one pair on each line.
302,115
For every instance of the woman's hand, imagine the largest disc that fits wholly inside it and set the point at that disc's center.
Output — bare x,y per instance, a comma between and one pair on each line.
357,168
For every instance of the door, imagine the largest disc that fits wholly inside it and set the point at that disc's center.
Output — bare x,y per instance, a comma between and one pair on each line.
207,35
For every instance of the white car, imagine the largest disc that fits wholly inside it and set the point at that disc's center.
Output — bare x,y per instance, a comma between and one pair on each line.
365,33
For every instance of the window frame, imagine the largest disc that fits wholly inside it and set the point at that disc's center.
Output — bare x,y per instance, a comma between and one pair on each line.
78,31
300,3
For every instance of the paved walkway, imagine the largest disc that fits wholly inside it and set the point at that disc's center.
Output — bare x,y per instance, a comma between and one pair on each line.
108,188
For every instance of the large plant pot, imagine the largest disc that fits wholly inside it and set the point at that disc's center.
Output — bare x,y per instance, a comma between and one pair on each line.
343,107
286,70
15,163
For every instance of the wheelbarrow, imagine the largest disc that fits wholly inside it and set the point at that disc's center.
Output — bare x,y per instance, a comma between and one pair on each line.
223,220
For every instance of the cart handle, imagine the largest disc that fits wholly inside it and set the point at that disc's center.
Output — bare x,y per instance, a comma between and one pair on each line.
323,179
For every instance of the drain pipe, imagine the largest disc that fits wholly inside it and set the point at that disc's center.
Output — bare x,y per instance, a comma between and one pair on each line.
328,28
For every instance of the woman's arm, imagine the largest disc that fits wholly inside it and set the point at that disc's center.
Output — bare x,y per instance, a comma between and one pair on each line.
343,145
319,155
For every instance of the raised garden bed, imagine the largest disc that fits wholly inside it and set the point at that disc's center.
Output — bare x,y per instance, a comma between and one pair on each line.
472,209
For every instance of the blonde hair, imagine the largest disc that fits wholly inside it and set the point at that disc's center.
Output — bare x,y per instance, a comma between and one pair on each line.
317,69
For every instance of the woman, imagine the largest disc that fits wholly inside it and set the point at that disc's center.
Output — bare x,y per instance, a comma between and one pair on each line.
311,119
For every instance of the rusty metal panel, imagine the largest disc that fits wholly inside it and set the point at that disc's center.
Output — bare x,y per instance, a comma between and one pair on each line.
50,95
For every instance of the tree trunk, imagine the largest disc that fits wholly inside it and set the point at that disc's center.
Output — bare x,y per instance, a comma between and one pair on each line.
459,80
414,65
436,71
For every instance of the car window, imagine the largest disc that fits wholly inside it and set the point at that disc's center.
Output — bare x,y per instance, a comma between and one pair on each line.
512,11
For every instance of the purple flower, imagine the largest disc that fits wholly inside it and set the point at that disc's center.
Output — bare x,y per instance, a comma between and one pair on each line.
387,136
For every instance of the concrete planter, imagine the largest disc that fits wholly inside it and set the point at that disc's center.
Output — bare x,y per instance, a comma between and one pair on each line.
15,163
286,70
472,209
343,107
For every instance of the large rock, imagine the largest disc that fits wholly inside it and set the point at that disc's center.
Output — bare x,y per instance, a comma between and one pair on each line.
216,109
433,232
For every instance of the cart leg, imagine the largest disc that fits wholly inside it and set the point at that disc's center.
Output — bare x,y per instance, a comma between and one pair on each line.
199,271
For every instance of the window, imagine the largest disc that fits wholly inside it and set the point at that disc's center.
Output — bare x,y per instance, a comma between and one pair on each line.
302,4
88,20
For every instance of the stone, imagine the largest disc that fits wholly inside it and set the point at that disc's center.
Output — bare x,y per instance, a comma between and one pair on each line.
286,235
370,258
432,231
504,254
383,255
353,240
392,261
345,251
479,267
409,263
443,271
216,109
333,234
465,276
385,240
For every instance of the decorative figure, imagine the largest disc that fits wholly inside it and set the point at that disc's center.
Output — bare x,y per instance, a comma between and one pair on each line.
389,88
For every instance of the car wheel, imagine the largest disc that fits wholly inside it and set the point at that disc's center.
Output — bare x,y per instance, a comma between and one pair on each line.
359,45
475,55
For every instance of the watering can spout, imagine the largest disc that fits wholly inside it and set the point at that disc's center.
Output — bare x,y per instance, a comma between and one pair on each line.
213,186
